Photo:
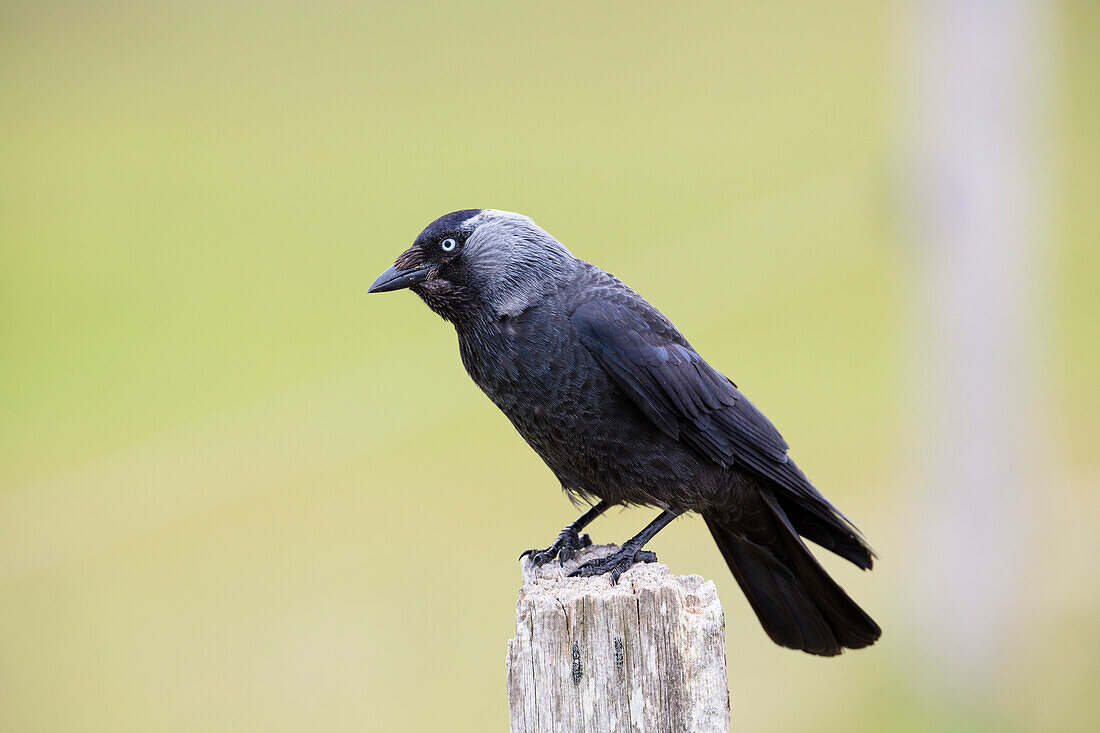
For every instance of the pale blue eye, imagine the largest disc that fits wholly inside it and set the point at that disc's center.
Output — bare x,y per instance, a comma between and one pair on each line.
448,244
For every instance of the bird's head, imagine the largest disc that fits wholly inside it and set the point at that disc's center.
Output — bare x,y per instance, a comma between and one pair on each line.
480,261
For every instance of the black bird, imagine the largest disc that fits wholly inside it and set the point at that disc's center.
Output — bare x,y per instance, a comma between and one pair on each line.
625,412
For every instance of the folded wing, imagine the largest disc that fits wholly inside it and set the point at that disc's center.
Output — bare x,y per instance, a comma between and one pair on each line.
691,401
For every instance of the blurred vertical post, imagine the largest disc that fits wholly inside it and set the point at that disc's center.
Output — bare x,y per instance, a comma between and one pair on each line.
975,86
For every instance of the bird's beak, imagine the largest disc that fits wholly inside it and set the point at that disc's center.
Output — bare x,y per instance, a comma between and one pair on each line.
394,279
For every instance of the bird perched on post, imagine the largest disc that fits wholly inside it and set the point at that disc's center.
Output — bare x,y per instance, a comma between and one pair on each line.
624,411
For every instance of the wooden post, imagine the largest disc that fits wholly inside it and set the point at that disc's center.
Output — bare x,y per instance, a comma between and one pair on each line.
647,654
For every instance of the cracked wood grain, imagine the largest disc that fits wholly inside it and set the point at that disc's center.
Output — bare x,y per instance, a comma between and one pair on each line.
645,655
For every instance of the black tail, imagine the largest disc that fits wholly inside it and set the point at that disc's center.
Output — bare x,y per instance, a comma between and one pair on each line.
797,602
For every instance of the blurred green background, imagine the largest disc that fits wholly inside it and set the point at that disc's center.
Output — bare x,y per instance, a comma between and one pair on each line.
238,494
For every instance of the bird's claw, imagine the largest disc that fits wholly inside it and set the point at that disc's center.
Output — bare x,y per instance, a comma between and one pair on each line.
565,548
616,564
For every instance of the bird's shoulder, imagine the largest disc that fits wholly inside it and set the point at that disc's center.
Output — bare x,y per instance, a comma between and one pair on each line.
603,300
667,378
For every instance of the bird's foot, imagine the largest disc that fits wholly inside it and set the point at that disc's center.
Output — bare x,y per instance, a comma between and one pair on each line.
565,548
616,563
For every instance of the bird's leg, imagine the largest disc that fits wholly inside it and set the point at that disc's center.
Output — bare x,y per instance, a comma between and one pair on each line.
631,551
569,541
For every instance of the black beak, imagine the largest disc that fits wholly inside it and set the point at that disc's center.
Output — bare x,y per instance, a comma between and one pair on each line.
394,279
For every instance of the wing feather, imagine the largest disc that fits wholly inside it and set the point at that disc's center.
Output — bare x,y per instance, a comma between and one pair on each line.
689,400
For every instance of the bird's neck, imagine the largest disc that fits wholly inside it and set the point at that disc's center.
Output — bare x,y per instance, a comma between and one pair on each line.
527,285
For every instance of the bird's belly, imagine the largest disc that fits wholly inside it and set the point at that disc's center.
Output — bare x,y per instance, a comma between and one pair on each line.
591,435
599,444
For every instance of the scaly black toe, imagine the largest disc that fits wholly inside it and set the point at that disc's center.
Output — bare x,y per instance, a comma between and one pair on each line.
565,547
614,564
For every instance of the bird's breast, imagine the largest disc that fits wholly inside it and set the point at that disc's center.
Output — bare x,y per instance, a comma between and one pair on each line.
561,402
525,365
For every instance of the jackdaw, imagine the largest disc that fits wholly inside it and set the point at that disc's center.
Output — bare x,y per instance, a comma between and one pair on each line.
625,412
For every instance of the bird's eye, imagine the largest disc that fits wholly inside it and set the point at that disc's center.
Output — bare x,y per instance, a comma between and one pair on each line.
448,244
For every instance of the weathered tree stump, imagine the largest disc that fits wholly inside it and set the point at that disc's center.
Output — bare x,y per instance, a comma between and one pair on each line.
647,654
